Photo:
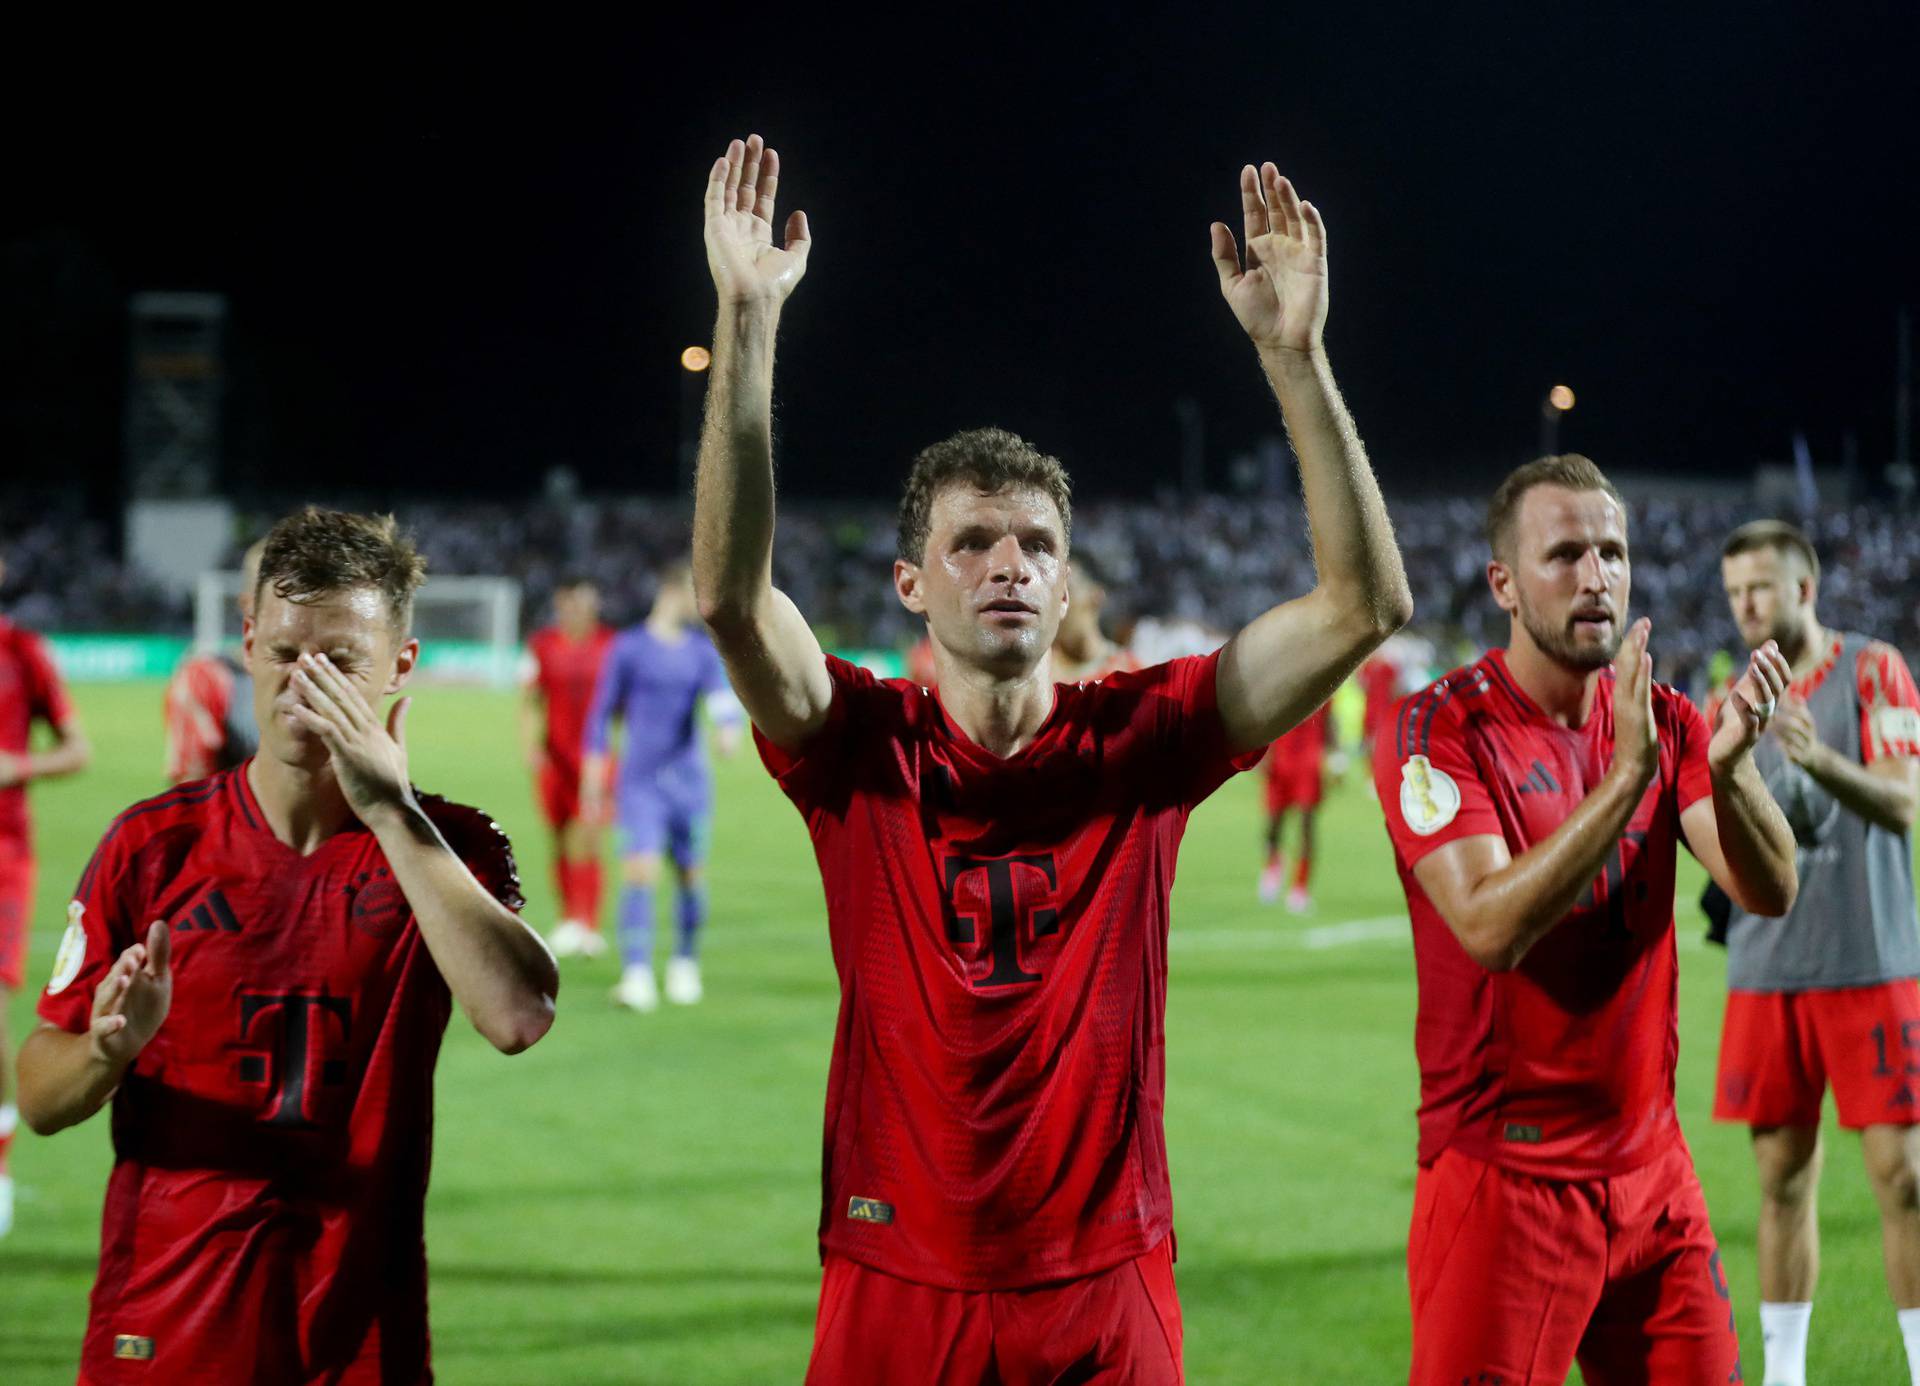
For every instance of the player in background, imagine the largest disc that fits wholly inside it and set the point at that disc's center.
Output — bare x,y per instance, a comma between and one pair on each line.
1379,680
567,658
656,679
997,856
30,692
209,701
1296,776
921,668
1081,649
1826,993
1536,801
257,970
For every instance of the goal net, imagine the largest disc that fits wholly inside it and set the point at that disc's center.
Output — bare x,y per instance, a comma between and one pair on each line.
468,627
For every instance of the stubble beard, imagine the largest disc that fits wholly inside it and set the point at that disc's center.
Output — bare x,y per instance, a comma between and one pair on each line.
1789,632
1560,645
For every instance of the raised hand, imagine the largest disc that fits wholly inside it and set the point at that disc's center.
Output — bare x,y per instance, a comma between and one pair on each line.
369,760
1280,297
1636,737
133,998
1793,728
747,266
1750,705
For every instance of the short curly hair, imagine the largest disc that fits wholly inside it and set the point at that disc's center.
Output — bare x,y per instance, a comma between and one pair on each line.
989,459
314,552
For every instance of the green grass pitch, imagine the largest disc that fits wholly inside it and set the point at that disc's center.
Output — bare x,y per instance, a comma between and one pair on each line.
634,1199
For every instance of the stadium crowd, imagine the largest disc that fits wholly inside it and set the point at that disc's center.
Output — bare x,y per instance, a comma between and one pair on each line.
1217,560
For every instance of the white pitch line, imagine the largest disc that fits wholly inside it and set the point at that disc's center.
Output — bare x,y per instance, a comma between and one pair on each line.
1381,929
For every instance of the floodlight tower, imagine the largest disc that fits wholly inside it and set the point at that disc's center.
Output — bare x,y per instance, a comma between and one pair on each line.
1559,401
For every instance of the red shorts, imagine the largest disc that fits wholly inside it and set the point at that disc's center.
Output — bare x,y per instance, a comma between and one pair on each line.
16,914
1120,1327
1293,786
560,790
1514,1277
1780,1050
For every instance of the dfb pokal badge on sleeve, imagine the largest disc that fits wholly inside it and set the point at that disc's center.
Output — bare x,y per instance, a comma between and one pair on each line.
73,950
1428,796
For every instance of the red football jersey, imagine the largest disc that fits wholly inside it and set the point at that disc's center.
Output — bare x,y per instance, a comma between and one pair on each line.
30,690
264,1218
1563,1067
565,671
1000,931
1303,748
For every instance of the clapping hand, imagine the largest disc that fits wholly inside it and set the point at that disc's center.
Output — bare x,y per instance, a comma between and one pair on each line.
1752,703
1793,728
133,998
1636,736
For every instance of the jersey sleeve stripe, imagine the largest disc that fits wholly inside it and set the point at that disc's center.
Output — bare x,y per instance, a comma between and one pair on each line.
232,777
1409,710
1446,690
1506,684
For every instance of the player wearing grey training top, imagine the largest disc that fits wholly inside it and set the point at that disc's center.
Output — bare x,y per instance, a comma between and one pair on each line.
1827,994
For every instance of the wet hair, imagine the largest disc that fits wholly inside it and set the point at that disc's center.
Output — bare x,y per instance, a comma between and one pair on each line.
314,553
1568,470
987,459
1778,535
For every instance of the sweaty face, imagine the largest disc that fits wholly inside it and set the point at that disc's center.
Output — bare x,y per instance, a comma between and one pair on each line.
993,585
350,628
1568,577
1768,599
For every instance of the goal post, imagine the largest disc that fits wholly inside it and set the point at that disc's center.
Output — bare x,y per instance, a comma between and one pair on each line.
469,627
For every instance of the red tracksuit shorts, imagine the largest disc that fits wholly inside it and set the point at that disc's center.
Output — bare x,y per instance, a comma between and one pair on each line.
1514,1278
1119,1327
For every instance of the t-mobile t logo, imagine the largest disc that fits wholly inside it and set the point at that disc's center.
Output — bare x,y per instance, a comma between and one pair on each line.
1007,909
304,1039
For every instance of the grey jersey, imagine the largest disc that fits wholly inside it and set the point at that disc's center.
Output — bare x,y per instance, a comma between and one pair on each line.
1853,923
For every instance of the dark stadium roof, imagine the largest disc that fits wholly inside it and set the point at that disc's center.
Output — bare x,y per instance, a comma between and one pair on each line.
457,259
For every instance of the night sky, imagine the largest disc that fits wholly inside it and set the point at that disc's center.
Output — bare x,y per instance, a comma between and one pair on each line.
455,260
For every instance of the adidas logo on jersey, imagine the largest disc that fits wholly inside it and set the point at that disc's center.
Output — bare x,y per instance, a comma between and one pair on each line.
211,914
869,1210
1539,781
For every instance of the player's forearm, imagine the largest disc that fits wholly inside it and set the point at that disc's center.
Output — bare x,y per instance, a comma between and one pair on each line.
497,967
733,493
1884,800
1515,907
1755,840
1355,557
68,758
63,1081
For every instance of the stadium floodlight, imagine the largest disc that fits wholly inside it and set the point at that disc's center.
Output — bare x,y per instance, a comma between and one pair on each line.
469,627
696,359
1561,398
